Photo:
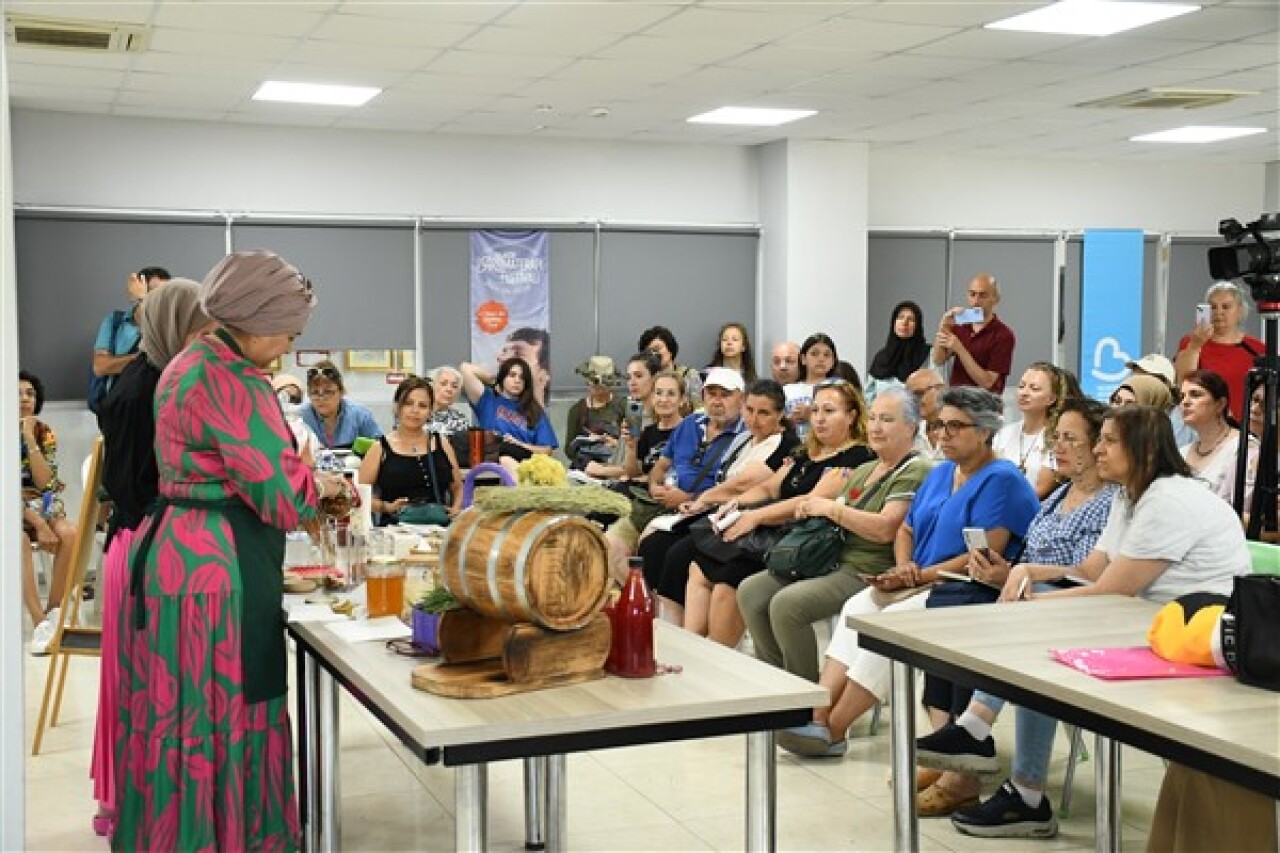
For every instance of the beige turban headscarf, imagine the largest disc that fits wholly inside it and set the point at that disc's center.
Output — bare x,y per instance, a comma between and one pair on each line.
1149,391
258,292
168,316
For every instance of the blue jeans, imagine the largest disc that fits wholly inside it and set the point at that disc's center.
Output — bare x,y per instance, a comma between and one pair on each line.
1033,741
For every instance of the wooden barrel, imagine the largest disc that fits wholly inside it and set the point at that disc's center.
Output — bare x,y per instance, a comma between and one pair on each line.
532,566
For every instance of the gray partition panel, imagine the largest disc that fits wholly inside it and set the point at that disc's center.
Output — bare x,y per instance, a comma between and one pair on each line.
1024,267
446,269
690,283
363,277
72,273
573,305
900,267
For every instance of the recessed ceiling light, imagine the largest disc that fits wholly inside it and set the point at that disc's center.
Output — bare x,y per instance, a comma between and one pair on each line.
1091,17
315,93
758,116
1198,133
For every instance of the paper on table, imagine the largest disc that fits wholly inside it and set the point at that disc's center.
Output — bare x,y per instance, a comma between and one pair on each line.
1134,662
368,630
315,613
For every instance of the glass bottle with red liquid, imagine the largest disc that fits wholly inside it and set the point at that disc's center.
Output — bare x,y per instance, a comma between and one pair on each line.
631,616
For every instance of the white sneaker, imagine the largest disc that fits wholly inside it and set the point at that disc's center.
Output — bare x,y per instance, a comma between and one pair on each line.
43,633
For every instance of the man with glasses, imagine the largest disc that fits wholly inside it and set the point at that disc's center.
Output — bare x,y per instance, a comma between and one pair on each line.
926,386
981,351
336,421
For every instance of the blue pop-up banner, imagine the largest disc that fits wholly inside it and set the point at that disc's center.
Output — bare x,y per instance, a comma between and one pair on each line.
1110,309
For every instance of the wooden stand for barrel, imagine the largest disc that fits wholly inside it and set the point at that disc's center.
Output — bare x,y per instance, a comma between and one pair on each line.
533,583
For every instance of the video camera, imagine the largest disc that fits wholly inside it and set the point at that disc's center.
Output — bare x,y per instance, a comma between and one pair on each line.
1256,262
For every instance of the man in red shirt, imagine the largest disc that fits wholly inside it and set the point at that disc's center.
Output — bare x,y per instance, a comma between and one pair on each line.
982,351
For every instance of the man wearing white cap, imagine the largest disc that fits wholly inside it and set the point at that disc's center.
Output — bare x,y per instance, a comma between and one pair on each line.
692,455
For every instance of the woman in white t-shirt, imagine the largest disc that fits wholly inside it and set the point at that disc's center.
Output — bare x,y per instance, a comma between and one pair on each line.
1041,392
818,360
1212,456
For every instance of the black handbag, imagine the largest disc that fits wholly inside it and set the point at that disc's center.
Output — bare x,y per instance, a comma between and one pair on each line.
1250,640
753,545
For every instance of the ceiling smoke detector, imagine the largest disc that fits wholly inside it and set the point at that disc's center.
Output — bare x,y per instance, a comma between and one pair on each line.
68,34
1165,98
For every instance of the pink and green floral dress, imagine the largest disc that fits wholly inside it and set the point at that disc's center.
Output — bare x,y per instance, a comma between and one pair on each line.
206,759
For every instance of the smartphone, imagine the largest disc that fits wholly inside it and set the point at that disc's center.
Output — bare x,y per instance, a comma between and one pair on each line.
635,417
1202,314
975,539
968,315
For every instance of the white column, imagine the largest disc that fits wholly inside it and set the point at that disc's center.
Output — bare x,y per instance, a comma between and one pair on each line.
813,208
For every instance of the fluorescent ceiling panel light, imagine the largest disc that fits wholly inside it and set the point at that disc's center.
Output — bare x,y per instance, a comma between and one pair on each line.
315,93
1198,133
1091,17
757,116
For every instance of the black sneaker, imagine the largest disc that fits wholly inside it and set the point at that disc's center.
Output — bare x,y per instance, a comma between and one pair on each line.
1007,815
953,748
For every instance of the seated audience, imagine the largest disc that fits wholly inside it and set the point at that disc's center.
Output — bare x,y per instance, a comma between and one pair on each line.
510,409
641,453
450,419
971,488
594,421
818,361
1143,390
659,341
412,464
44,518
926,386
780,613
1062,534
1042,391
334,419
733,350
754,455
784,363
1156,365
836,444
1212,456
1166,535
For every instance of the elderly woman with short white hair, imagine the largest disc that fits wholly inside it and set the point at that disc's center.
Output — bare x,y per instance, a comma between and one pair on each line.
1221,345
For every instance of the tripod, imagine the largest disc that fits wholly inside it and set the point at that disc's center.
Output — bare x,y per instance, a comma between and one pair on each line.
1265,374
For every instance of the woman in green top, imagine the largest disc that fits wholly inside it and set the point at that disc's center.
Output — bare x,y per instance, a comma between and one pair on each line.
780,613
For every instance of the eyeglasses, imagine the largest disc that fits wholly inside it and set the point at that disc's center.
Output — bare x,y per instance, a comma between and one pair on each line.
324,373
952,427
324,394
833,382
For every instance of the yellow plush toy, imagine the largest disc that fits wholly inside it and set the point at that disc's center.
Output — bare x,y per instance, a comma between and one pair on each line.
1187,630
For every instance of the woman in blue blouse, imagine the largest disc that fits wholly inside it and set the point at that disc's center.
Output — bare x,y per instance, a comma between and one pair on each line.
335,420
510,408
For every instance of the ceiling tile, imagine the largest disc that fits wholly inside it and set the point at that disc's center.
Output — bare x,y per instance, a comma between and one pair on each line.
1225,57
995,45
499,38
744,27
336,56
685,51
944,14
860,35
476,64
276,19
450,12
132,13
223,44
359,29
614,18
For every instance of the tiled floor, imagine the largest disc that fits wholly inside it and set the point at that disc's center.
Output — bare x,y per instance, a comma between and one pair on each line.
686,796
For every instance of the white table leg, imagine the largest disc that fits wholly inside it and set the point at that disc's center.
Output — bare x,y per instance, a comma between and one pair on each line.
1109,823
906,831
308,752
470,807
327,732
535,801
762,792
557,810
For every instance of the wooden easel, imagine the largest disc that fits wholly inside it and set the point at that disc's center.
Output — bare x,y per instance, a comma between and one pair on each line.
70,637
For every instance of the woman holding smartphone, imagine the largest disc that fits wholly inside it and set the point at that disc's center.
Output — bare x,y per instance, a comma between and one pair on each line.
1218,343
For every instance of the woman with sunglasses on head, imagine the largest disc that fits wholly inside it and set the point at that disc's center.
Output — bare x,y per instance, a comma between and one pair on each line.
1042,392
972,487
335,420
510,408
412,464
818,360
837,444
1212,456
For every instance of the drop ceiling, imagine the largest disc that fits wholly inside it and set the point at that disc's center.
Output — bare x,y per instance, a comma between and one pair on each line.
907,75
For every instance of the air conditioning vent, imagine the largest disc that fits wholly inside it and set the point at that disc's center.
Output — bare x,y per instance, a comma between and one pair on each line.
67,34
1168,99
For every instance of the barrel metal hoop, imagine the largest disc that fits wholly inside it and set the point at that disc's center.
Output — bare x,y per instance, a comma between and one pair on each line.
463,592
491,569
522,559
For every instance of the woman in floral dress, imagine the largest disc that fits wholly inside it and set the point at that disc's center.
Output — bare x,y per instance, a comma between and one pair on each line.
205,757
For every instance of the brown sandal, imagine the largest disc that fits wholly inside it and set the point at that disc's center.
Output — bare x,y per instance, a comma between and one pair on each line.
925,776
936,801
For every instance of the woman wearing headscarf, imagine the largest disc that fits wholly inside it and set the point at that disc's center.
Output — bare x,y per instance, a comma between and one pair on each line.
204,758
1142,390
169,318
905,350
